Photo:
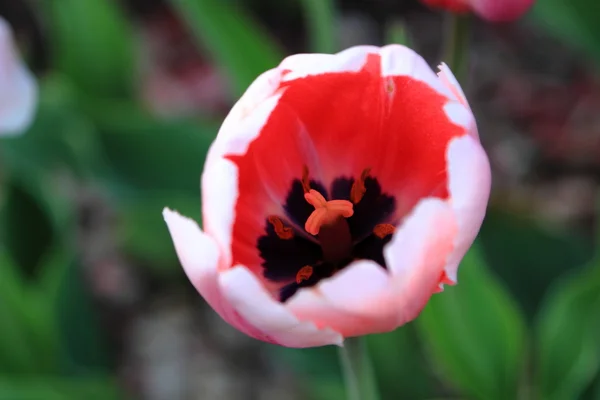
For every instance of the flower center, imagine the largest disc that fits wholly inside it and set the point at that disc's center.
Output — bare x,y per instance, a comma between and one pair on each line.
324,229
328,222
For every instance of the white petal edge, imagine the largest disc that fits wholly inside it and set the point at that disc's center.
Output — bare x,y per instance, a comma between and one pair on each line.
241,116
458,111
252,302
199,256
470,179
364,298
449,80
18,88
349,60
398,60
418,253
461,115
220,176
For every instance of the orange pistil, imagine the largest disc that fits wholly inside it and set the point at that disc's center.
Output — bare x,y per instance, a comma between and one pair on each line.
382,230
304,274
326,212
280,230
358,187
305,179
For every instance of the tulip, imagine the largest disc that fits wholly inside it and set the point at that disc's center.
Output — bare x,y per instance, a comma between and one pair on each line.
491,10
341,192
18,91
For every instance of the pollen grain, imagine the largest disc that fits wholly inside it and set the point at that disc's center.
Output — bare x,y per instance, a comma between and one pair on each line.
282,231
358,189
383,230
305,179
304,274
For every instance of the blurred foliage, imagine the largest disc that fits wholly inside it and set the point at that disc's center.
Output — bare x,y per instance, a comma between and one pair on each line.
538,255
500,334
476,333
567,336
236,43
93,46
321,20
574,21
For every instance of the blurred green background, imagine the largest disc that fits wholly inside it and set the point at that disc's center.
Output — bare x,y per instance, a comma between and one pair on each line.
93,303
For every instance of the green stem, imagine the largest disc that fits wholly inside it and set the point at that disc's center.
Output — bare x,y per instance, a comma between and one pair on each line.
597,231
320,17
457,45
396,33
357,370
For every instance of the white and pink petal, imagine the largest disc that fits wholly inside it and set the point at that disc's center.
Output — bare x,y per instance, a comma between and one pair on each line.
267,319
18,89
469,183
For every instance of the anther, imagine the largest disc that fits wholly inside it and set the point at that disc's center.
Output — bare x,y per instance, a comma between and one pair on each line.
305,179
304,274
281,230
358,187
382,230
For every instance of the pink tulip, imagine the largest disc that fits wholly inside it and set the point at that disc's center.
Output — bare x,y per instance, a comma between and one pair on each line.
491,10
18,91
341,192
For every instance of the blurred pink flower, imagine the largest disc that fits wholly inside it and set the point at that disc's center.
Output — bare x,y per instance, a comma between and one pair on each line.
18,90
491,10
341,192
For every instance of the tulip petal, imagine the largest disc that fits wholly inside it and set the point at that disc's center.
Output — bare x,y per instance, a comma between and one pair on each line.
356,301
501,11
457,111
18,89
398,60
364,298
270,320
449,80
220,176
302,65
469,186
199,255
418,253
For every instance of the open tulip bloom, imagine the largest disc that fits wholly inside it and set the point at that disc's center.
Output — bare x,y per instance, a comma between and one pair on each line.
491,10
341,192
18,91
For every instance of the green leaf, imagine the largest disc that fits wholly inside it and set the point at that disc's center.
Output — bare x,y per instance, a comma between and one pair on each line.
396,358
319,363
571,20
321,21
399,364
147,153
60,138
16,354
53,388
536,258
318,369
66,297
397,33
476,333
27,228
567,332
143,232
93,45
35,220
326,390
236,43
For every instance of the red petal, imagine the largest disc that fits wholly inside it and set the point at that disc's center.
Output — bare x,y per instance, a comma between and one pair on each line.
338,124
